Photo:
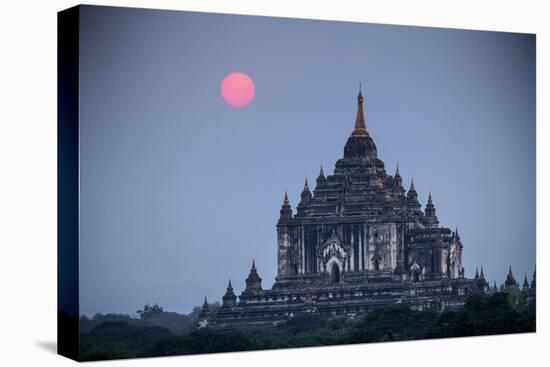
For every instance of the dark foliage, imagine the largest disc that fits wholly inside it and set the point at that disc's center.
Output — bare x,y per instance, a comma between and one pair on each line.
119,336
482,315
118,339
395,322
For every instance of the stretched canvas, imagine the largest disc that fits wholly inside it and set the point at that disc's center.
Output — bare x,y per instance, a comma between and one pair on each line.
235,183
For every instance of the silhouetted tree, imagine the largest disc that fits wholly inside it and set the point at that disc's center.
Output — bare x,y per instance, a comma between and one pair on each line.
149,311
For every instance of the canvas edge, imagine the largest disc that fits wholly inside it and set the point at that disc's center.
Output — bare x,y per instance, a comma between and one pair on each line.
68,182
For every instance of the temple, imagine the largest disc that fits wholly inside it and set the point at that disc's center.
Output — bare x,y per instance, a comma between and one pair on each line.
359,240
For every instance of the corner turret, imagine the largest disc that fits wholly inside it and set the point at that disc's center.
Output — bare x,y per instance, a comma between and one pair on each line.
430,217
306,194
398,184
412,195
229,299
253,282
286,210
413,206
321,180
204,315
398,179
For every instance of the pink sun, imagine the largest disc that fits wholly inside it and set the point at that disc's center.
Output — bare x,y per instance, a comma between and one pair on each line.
237,89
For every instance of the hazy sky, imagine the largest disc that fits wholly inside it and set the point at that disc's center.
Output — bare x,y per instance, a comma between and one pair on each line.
180,191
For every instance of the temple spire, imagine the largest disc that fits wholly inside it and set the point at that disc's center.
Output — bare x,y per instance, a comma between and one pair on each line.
412,197
398,182
253,282
360,129
204,315
306,196
321,179
430,217
286,210
510,282
229,298
525,283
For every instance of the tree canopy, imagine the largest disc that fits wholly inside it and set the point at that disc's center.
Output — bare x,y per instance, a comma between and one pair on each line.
159,333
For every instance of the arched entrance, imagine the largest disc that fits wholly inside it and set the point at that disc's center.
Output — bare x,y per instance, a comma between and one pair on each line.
376,263
334,273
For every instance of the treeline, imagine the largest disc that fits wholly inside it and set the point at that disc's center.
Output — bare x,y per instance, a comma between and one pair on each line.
150,315
126,337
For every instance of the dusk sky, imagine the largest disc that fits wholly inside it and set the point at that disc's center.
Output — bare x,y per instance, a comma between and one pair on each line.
180,191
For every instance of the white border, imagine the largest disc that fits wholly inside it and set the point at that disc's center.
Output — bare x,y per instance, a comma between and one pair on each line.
28,181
